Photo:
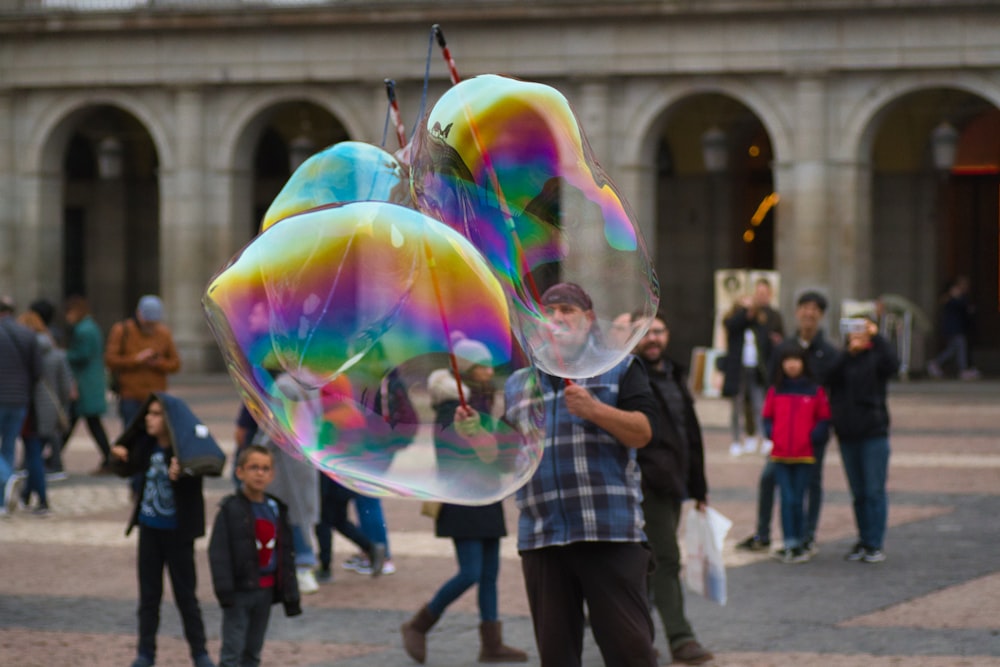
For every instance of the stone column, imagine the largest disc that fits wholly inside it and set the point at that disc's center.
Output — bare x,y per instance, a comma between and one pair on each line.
8,206
185,259
802,180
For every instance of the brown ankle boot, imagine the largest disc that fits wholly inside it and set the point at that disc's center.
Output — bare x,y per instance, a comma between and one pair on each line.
492,648
415,634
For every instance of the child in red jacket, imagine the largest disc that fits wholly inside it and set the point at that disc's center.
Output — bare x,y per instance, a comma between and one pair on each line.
796,415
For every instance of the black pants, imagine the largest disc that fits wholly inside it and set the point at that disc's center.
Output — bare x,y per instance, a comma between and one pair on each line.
96,428
611,578
159,548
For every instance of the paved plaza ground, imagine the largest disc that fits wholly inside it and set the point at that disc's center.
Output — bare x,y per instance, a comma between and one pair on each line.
68,586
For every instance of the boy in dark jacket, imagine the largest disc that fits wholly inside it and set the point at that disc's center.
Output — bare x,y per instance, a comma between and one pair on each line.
252,559
170,513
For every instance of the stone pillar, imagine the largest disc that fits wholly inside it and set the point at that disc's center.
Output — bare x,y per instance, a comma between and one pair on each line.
183,223
802,180
8,205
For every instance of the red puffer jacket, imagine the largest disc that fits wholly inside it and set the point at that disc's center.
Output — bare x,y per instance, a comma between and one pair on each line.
796,414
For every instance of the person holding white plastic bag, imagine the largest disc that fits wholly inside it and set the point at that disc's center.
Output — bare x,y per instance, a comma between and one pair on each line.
673,469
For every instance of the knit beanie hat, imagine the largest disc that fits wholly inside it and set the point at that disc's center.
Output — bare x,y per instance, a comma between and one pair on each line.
469,353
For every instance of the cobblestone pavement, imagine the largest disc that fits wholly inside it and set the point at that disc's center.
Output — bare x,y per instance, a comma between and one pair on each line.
68,591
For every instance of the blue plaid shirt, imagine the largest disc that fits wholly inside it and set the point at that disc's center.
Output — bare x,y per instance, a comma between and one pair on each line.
587,486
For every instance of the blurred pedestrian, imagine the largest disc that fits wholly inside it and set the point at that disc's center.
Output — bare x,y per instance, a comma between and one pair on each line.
48,413
753,328
859,379
141,352
957,314
86,358
20,369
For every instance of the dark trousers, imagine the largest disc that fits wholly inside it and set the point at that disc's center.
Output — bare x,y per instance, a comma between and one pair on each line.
663,514
611,578
244,625
97,432
159,548
333,516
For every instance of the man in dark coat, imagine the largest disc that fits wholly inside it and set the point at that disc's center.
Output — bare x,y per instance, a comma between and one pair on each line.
673,469
20,369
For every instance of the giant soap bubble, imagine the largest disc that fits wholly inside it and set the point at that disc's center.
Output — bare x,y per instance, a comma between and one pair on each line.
505,163
348,171
331,315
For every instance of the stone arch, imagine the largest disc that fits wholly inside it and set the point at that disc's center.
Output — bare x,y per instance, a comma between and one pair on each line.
56,122
691,298
235,146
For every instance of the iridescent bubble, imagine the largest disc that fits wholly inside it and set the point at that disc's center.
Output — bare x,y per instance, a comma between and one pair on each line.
348,171
331,316
505,163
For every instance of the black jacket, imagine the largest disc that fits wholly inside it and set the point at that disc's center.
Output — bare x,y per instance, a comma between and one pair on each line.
858,384
766,322
672,464
232,554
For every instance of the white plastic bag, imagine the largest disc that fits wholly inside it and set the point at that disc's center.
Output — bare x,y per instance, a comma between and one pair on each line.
704,569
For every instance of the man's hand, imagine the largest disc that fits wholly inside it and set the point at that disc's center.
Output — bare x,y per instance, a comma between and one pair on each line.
580,402
119,452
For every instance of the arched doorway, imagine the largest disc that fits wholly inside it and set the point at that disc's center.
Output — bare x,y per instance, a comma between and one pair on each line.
713,171
936,211
110,211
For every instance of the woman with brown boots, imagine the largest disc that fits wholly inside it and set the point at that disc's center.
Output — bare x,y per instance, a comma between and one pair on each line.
476,531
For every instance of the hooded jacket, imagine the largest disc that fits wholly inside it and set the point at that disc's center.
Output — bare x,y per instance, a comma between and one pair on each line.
191,442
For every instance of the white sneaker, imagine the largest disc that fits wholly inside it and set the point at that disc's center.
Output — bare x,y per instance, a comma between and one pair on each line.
736,449
307,580
750,445
766,447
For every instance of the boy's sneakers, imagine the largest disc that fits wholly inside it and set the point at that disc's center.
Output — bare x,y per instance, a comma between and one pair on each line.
856,553
142,661
793,555
307,580
324,575
873,556
811,547
754,543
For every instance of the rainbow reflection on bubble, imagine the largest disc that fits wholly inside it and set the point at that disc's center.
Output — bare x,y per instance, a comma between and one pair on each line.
505,163
328,316
348,171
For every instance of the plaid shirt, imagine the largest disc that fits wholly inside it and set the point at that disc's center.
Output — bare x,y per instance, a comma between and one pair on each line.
587,487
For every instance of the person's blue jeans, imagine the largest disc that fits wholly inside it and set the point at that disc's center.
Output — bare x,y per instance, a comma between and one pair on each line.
792,478
866,465
765,501
814,492
34,463
11,420
304,554
372,520
478,563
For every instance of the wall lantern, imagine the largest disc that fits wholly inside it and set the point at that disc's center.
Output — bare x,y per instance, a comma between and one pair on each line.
109,159
944,146
715,150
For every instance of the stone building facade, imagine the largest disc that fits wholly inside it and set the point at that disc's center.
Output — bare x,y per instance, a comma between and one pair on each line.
141,141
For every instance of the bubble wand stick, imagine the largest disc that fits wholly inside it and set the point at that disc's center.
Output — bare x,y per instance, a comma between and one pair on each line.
390,90
494,180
